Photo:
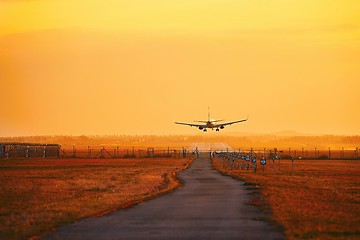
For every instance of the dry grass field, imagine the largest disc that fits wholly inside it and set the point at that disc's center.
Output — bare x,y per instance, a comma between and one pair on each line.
37,195
319,200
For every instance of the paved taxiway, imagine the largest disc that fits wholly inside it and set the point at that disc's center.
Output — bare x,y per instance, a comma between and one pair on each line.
209,206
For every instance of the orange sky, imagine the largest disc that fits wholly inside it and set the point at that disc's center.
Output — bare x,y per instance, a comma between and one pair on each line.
133,67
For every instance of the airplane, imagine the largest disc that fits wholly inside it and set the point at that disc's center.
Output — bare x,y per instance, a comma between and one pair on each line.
211,124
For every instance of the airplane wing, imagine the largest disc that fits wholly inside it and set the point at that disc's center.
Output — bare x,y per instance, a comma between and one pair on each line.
229,123
191,124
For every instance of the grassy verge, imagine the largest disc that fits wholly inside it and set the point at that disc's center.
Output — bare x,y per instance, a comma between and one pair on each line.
318,200
38,195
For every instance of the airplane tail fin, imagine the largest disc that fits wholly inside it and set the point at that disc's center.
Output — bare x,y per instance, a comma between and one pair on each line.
209,117
208,114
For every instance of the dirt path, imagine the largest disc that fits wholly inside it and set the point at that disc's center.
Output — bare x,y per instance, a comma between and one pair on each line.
209,206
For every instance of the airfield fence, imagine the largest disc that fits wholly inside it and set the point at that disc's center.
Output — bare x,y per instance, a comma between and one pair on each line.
321,154
28,150
275,160
117,152
31,150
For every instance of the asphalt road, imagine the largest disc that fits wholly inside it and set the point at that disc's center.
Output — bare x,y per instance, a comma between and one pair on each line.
209,206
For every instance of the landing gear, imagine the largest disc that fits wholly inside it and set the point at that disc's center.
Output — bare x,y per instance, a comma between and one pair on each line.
217,129
205,130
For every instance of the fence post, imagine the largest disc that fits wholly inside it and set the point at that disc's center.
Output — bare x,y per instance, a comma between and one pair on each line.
302,153
74,151
329,154
264,152
289,152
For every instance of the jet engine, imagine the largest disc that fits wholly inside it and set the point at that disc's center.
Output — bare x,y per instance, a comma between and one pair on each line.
201,128
221,127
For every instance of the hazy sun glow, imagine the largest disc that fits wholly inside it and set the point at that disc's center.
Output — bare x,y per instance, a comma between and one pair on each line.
134,67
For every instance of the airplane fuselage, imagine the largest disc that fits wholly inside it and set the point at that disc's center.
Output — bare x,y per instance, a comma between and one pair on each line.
210,124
